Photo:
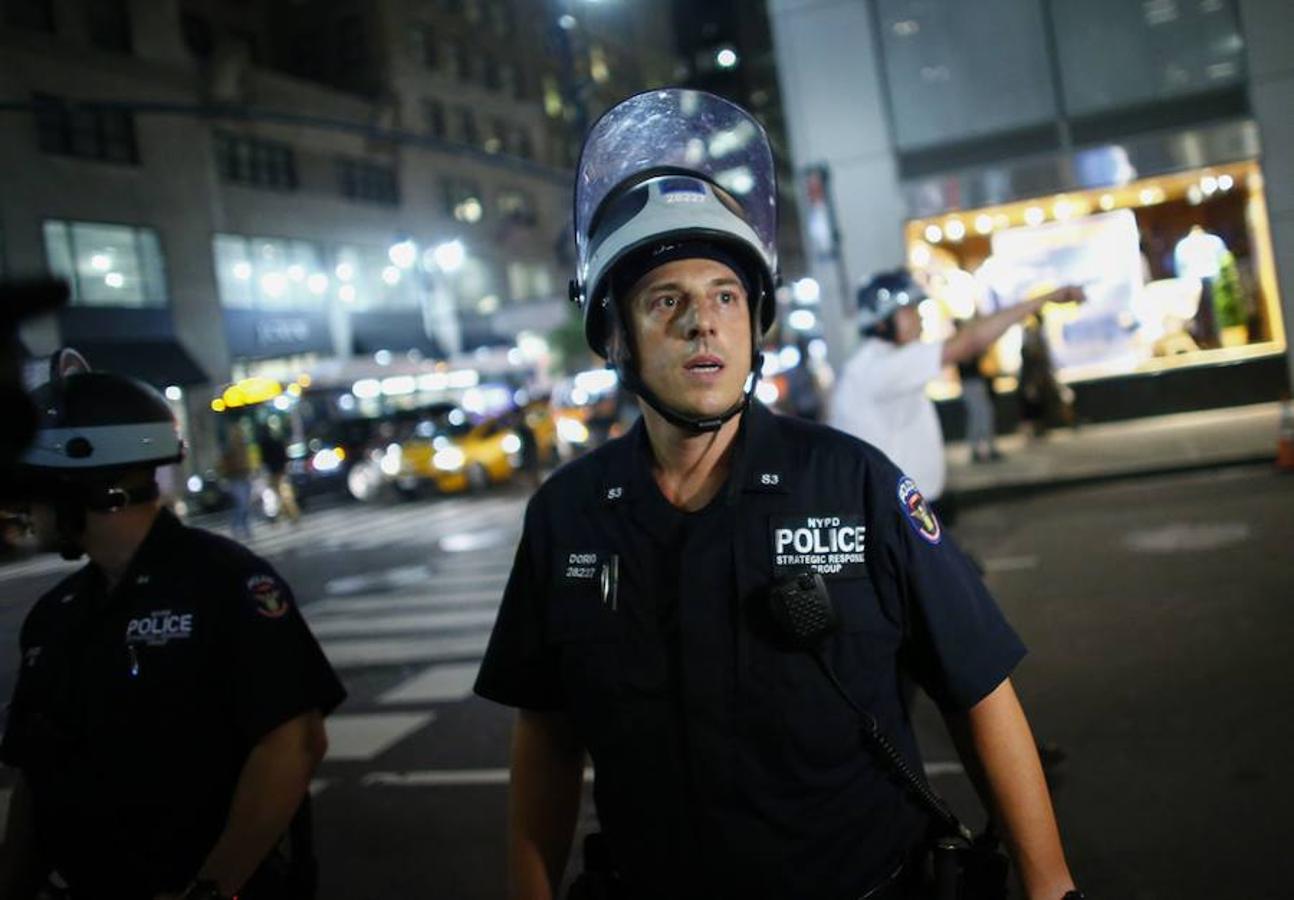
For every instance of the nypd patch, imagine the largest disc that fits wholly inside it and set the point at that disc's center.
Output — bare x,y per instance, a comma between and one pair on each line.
268,594
918,512
831,545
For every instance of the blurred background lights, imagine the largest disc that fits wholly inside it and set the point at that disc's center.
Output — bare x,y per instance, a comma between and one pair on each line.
934,234
726,58
450,255
955,229
802,320
806,290
403,254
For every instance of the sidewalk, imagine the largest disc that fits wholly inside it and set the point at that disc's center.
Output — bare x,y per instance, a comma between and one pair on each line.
1117,450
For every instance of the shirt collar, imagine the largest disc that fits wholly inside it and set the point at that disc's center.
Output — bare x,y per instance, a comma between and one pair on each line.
152,552
759,460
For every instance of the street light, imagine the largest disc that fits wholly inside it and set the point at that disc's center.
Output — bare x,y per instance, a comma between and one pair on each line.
449,256
403,254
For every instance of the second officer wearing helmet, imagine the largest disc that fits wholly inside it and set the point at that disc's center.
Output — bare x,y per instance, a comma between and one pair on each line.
635,627
168,712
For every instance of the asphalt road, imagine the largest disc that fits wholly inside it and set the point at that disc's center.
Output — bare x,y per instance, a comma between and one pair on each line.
1158,615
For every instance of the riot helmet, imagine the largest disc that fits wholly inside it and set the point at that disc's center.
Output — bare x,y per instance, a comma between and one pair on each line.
884,295
665,175
93,429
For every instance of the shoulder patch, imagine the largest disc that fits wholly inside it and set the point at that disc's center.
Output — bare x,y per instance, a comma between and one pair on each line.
918,512
268,594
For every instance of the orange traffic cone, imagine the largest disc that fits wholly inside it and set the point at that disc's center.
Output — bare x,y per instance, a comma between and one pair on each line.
1285,443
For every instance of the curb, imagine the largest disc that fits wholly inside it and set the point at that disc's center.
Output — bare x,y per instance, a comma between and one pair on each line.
1017,490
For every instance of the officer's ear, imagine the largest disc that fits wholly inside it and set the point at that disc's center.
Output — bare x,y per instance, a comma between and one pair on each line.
619,342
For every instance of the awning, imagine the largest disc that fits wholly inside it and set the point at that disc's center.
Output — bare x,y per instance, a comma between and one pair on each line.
161,363
396,332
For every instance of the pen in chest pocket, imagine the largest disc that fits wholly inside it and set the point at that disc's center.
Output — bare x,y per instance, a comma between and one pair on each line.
610,581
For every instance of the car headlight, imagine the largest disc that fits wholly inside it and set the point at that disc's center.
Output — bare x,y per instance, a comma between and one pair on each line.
449,460
572,431
392,460
327,460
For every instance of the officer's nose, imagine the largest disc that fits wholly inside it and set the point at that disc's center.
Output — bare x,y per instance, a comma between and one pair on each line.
699,319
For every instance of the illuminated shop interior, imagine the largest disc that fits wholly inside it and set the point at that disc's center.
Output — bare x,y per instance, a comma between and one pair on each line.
1177,269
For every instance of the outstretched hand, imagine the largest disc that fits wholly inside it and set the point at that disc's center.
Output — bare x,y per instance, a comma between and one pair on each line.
1070,293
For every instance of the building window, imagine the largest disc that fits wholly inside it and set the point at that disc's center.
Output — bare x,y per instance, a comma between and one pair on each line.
490,71
494,139
463,199
270,273
516,206
529,281
197,35
109,25
506,79
368,182
90,132
522,145
37,15
599,65
500,17
368,280
351,42
107,265
255,162
467,130
433,116
426,49
463,64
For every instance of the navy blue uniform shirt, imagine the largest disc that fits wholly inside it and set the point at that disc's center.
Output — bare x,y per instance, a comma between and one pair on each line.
726,765
135,710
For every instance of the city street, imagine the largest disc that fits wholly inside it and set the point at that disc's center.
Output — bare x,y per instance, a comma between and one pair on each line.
1157,613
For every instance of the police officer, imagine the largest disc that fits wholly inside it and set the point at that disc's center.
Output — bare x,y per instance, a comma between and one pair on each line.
636,626
881,393
169,707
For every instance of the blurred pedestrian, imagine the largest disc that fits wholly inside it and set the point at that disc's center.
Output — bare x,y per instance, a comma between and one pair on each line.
274,457
804,393
236,470
977,398
530,462
168,712
1045,402
881,394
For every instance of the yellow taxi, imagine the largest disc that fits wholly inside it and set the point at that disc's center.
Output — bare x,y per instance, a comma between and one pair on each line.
447,452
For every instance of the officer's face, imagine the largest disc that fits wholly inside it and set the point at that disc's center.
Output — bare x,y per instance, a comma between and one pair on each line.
691,324
44,527
907,325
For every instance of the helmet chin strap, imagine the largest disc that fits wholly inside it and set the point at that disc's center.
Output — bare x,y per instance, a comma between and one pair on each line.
691,424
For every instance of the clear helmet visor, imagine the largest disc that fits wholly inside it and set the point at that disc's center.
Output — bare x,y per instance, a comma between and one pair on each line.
680,130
